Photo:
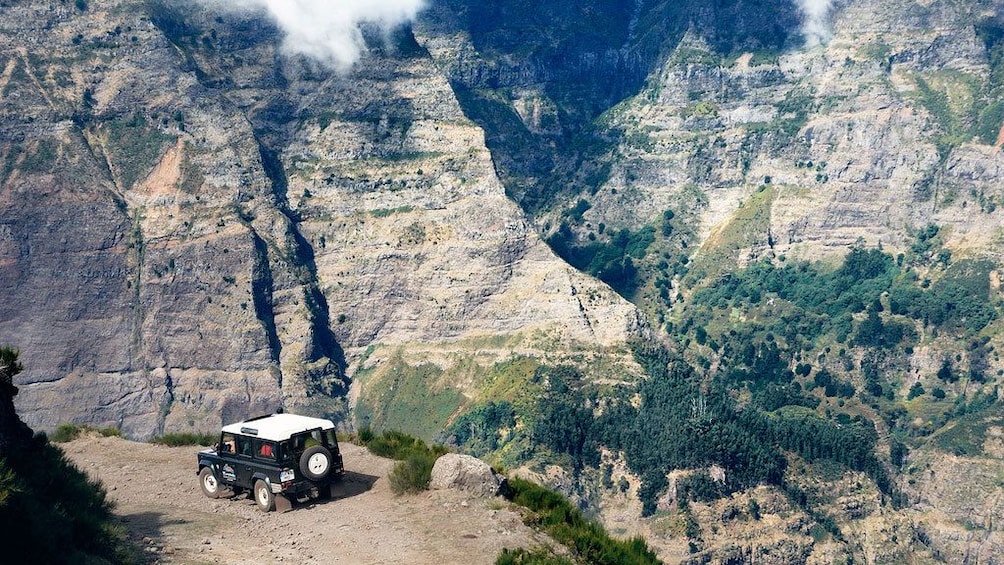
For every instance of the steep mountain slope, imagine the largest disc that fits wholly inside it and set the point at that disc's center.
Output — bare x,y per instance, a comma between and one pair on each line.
891,125
197,227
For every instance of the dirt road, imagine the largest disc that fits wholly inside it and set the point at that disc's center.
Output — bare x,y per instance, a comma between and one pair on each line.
157,496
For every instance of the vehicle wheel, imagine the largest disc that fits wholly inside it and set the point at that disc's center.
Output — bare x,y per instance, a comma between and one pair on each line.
315,463
207,480
263,496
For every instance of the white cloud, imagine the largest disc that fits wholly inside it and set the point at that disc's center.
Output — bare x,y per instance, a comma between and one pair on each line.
816,27
328,30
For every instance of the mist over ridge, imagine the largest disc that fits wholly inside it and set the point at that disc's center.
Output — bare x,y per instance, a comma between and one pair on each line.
816,27
329,30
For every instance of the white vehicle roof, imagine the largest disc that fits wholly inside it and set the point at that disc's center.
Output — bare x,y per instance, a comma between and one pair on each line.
277,427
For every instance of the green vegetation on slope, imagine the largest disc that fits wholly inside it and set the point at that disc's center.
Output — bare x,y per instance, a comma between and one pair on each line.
610,259
406,397
965,106
775,363
135,145
990,117
587,541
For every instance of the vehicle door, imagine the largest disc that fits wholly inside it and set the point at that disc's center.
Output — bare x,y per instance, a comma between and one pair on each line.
226,468
244,462
330,440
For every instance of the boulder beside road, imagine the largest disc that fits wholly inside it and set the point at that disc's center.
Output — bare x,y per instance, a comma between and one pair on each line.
466,473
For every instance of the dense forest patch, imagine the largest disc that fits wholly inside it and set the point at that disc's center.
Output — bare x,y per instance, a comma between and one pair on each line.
776,362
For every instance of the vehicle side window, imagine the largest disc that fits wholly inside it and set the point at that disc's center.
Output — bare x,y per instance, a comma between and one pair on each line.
244,445
264,449
227,444
284,454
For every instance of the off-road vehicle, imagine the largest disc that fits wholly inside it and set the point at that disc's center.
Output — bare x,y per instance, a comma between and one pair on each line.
279,458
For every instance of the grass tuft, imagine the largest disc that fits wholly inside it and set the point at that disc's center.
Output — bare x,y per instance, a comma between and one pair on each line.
186,438
537,556
69,432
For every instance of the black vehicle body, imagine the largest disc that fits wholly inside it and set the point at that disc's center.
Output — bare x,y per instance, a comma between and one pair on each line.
273,466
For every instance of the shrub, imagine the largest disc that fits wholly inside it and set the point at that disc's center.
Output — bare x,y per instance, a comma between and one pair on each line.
365,435
415,459
394,444
587,540
413,473
65,433
185,438
70,432
897,452
50,512
537,556
398,445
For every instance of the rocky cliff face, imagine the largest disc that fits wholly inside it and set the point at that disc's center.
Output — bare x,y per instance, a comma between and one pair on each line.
196,227
891,125
849,135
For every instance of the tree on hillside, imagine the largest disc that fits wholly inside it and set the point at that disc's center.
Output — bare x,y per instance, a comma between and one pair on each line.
50,511
14,434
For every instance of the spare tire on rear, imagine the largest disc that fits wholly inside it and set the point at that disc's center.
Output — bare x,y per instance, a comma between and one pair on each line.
315,463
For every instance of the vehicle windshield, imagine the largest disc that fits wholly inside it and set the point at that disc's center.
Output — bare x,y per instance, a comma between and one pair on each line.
227,444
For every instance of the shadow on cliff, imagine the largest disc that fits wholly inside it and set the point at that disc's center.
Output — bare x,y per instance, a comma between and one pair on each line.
322,339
